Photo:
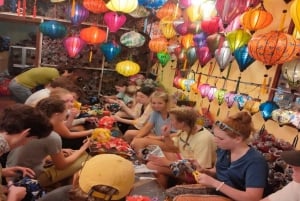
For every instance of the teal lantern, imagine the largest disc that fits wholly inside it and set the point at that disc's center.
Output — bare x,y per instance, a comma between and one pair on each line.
110,50
53,29
267,108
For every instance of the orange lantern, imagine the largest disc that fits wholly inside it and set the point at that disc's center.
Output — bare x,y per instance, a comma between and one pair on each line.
256,18
273,48
95,6
158,44
167,28
169,9
127,68
187,40
93,35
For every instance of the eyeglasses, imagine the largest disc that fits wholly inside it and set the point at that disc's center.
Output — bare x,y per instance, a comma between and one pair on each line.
225,127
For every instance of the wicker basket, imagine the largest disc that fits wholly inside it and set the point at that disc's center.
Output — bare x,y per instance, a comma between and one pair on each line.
193,197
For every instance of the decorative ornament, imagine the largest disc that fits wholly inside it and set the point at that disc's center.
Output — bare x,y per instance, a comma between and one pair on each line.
241,100
203,89
114,21
295,10
166,27
191,56
153,4
93,35
125,6
229,98
132,39
187,40
95,6
73,45
291,72
204,55
211,25
110,50
170,10
267,108
243,57
193,13
158,44
80,14
200,39
140,12
215,41
237,39
223,56
220,95
252,105
163,58
53,29
127,68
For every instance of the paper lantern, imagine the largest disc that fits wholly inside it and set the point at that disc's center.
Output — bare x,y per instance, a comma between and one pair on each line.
166,27
267,108
273,48
125,6
110,50
169,9
256,18
158,44
114,21
80,14
73,45
291,72
295,10
237,39
53,29
127,68
95,6
132,39
243,57
93,35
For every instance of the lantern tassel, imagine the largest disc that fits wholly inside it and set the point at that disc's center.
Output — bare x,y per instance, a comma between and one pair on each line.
73,8
91,55
281,25
184,65
263,89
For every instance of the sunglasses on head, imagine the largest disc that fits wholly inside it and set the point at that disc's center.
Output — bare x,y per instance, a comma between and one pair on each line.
225,127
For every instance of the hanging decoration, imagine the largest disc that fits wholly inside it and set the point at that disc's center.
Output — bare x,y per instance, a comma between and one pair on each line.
73,45
125,6
185,3
203,89
180,27
214,42
193,13
132,39
203,55
163,58
283,116
267,108
140,12
252,105
187,40
158,44
127,68
220,96
241,100
243,58
153,4
223,56
229,98
53,29
233,25
200,39
114,21
237,39
211,25
95,6
170,10
167,28
295,10
80,14
291,72
191,56
110,50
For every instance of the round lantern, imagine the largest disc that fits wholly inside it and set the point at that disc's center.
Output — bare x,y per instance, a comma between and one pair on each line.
169,9
125,6
158,44
243,58
73,45
132,39
114,21
273,48
291,72
93,35
127,68
95,6
53,29
267,108
256,18
110,50
80,14
237,39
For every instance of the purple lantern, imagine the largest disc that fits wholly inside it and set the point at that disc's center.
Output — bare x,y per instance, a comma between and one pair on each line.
229,98
73,45
114,21
211,93
200,39
80,14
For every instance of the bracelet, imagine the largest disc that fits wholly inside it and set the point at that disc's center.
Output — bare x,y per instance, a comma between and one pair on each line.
220,186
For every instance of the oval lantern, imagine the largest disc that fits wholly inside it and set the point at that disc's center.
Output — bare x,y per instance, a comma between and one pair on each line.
95,6
93,35
53,29
114,21
273,48
132,39
125,6
229,98
169,9
73,45
110,50
256,18
237,38
158,44
243,58
166,27
204,55
127,68
80,14
291,72
267,108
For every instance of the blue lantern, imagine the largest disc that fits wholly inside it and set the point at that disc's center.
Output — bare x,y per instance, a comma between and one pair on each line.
154,4
53,29
243,58
80,14
110,50
241,100
267,108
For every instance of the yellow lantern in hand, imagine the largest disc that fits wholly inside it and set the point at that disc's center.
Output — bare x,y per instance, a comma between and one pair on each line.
127,68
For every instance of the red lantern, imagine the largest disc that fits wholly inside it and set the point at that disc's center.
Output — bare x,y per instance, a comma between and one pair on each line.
95,6
158,44
73,45
210,26
114,21
273,48
169,9
93,35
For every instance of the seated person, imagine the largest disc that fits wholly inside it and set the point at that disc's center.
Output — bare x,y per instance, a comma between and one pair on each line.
192,142
38,149
138,116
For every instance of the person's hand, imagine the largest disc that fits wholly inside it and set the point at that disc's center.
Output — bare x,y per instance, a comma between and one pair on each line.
74,112
86,144
13,172
116,117
166,129
207,180
16,193
67,152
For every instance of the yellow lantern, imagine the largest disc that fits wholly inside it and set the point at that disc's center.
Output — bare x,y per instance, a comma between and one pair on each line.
193,13
237,39
167,28
125,6
127,68
295,10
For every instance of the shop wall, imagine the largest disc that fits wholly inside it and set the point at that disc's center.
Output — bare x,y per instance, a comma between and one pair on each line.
253,74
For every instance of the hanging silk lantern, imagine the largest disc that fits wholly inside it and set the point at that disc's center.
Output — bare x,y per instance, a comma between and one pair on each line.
93,35
283,116
273,48
223,56
256,18
110,50
267,108
241,100
127,68
203,55
220,95
80,14
95,6
180,54
73,45
170,10
185,3
203,89
188,84
215,41
211,93
207,9
181,28
295,10
253,3
166,27
237,39
194,27
125,6
211,25
154,4
158,44
252,105
233,25
53,29
229,9
187,41
243,57
140,12
132,39
114,21
291,72
200,39
191,55
163,58
193,13
229,98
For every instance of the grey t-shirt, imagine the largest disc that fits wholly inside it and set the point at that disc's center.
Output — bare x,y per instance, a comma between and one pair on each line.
31,154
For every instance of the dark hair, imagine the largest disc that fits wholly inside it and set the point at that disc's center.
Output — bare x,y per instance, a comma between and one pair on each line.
146,90
18,117
61,82
61,70
121,83
51,105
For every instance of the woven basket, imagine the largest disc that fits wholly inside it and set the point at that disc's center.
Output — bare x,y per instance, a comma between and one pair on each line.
193,197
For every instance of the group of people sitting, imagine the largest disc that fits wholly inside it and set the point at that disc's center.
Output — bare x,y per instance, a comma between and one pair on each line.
220,158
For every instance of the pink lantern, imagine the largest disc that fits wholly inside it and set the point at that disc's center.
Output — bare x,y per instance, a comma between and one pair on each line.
185,3
204,89
211,93
1,2
229,98
210,26
73,45
234,24
203,55
114,21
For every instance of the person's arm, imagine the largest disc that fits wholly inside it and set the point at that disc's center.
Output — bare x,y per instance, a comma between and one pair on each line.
122,120
63,131
145,130
16,193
